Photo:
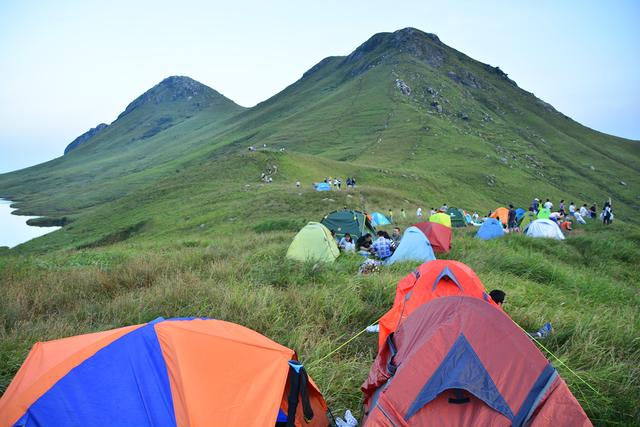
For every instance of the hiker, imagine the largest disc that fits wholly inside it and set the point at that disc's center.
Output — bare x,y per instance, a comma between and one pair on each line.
390,216
363,245
382,245
566,225
584,212
572,209
298,184
419,212
593,209
403,213
353,182
511,219
561,208
348,182
555,217
444,208
432,212
347,244
498,296
396,236
535,205
607,214
548,204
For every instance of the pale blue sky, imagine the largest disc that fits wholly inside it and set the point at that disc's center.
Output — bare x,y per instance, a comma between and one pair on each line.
66,66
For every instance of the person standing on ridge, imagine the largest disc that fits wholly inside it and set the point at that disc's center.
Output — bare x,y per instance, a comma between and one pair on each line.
548,204
403,213
535,205
419,212
390,216
561,208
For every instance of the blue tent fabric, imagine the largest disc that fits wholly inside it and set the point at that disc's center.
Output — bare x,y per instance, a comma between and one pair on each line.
461,369
378,219
130,364
520,214
491,228
323,186
414,246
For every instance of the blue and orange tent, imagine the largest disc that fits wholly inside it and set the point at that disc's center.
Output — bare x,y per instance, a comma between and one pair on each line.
175,372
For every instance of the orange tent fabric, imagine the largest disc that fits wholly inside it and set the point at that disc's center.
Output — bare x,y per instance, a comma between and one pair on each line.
249,371
184,372
501,214
431,280
46,364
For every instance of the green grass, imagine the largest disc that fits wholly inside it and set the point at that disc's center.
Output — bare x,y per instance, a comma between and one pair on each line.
586,286
178,224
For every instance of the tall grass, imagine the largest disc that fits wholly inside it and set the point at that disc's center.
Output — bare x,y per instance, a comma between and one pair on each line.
586,286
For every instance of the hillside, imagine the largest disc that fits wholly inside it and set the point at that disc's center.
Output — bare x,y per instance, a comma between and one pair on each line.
402,102
169,217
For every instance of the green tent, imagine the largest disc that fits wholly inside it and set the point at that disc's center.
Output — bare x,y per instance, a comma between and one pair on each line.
457,217
353,222
544,213
313,243
526,220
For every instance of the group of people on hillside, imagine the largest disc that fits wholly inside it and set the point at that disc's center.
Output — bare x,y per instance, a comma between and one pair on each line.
336,183
564,214
432,211
381,248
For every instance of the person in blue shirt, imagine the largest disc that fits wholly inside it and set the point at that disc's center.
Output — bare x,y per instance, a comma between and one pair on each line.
382,245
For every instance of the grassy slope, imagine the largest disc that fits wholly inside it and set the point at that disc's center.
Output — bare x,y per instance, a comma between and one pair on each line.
217,250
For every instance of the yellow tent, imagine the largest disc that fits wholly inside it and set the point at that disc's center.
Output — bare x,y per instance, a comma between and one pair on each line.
441,218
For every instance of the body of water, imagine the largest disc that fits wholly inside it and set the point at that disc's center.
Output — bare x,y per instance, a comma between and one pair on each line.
14,229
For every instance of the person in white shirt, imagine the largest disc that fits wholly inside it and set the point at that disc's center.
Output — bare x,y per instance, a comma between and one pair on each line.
572,209
548,204
432,212
419,212
584,211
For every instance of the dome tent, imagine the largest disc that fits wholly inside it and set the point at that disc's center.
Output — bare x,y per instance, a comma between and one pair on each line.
345,221
439,235
457,360
433,279
441,218
378,219
414,246
491,228
544,228
313,243
162,373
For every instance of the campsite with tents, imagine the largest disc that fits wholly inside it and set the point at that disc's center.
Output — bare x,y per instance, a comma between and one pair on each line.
197,276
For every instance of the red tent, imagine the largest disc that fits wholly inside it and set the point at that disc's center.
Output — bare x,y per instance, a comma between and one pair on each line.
431,280
460,361
438,234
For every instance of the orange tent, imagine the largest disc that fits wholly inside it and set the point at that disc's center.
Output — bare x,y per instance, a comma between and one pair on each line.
175,372
431,280
502,214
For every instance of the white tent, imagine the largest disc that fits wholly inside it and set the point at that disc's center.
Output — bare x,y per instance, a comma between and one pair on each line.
544,228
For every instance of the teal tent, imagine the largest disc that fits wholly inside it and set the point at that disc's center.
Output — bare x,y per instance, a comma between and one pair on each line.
355,223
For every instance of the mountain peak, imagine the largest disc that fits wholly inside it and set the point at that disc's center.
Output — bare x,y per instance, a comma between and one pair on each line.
175,89
425,47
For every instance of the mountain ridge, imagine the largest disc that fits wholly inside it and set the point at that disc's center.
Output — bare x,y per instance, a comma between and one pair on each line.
404,97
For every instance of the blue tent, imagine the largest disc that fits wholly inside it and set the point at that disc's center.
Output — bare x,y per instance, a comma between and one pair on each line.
323,186
520,214
414,246
491,228
378,219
